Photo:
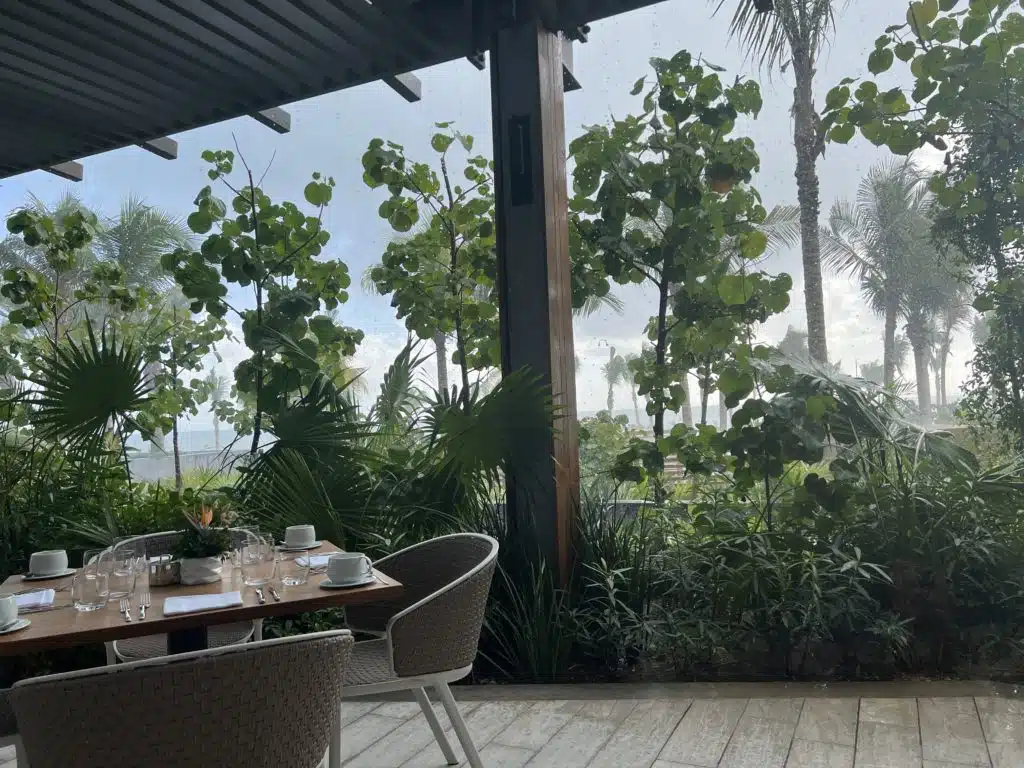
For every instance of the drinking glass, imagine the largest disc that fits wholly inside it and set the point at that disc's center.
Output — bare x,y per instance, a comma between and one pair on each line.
240,535
258,561
90,586
292,567
124,568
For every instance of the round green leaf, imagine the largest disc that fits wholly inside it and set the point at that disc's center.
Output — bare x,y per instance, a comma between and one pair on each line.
200,222
880,60
733,290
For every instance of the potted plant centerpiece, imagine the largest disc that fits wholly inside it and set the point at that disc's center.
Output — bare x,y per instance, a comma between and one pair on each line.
200,549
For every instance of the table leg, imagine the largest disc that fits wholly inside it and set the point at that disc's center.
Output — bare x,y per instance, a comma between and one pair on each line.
185,640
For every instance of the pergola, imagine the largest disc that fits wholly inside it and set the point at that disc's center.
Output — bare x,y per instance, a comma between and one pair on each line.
79,77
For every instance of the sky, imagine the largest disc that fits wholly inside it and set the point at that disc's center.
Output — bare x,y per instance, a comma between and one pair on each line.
331,132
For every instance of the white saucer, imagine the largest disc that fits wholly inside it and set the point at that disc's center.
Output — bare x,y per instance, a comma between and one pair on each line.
328,584
19,624
45,576
300,547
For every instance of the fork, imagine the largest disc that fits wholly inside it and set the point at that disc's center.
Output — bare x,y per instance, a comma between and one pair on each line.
126,609
144,602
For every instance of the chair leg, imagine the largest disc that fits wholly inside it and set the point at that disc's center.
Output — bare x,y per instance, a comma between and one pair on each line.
459,724
20,758
257,630
111,656
435,726
334,751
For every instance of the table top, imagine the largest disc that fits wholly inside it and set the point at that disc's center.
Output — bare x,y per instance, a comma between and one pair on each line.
63,626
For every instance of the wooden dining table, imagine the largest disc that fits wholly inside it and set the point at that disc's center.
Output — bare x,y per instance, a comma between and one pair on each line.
61,626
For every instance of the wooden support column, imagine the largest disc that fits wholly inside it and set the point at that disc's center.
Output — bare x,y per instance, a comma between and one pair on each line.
534,279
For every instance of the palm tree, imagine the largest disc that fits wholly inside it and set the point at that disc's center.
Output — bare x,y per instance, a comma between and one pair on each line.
875,239
629,379
933,288
793,35
955,314
615,372
137,238
218,386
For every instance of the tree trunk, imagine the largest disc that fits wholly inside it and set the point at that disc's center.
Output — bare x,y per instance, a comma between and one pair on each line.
723,412
660,351
705,390
636,408
156,439
808,146
924,396
178,480
216,433
686,412
441,351
611,382
889,343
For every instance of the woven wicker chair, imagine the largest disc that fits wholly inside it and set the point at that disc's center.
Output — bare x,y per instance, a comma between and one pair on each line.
9,729
428,637
153,646
263,705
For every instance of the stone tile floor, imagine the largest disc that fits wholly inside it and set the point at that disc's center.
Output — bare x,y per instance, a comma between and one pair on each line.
680,732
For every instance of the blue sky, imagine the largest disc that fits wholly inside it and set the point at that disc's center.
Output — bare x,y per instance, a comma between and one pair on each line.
331,132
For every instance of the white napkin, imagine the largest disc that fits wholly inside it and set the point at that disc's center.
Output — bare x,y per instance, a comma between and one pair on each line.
194,603
312,561
35,601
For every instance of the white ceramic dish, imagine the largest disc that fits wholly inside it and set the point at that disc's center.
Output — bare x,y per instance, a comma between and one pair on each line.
19,624
286,547
45,576
328,584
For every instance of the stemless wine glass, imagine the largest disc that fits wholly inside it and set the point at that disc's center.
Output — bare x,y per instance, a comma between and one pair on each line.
124,568
90,586
258,561
292,567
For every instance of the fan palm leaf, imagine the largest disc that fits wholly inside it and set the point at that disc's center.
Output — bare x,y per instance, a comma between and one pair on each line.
86,386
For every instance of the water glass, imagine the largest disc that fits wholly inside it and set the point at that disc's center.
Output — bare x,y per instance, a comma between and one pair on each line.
292,567
124,568
240,535
90,586
258,561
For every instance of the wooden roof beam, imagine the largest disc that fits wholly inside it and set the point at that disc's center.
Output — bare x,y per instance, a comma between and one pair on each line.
406,85
164,147
569,81
70,170
276,119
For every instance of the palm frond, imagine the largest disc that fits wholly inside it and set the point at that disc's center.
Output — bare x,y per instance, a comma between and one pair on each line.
137,238
399,397
594,304
782,226
770,37
88,386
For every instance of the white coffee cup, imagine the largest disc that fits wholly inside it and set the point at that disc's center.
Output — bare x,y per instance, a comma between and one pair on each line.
299,535
8,610
48,562
349,567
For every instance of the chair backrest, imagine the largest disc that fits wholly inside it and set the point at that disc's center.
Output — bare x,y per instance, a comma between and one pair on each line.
157,544
165,542
446,583
8,725
261,705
